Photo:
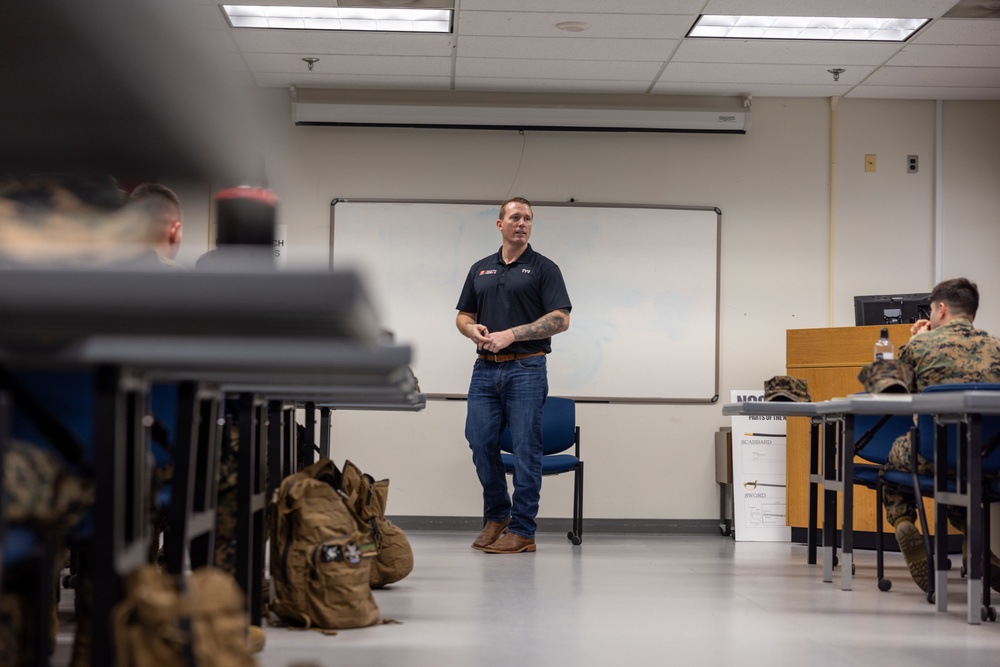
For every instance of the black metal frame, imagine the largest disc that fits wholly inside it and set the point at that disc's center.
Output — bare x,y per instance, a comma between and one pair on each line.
251,501
576,534
4,444
195,487
122,521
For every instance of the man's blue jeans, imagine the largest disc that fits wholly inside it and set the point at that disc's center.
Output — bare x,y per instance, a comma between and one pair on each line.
501,394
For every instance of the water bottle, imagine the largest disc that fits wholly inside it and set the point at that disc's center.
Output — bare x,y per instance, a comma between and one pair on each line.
884,349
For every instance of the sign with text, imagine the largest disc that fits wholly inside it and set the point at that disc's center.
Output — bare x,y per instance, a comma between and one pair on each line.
758,475
280,236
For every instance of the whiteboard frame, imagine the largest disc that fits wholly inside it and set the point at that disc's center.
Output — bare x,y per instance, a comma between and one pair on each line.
577,204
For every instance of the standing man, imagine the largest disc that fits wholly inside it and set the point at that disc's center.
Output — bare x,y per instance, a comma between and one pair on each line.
167,220
942,350
512,303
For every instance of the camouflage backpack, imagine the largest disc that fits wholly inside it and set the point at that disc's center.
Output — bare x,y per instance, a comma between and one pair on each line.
320,562
367,499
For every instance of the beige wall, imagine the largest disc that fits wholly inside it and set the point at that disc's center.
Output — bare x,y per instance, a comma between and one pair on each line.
773,186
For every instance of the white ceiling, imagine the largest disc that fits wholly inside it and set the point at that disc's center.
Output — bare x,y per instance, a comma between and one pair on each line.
633,47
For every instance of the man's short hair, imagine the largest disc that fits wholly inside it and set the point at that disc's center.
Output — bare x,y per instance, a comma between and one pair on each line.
158,196
519,200
960,294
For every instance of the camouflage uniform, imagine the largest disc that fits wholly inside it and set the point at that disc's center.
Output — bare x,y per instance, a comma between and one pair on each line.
227,509
953,353
40,493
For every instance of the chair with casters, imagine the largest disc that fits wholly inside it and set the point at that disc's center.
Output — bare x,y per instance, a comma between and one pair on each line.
559,433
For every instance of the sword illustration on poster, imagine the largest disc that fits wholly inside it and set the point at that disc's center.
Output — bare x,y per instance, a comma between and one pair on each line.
758,474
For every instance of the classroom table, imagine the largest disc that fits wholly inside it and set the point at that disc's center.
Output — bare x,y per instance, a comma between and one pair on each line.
255,372
130,328
945,407
835,419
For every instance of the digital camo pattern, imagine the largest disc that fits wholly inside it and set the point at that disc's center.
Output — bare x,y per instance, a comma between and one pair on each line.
38,490
953,353
227,509
887,376
786,388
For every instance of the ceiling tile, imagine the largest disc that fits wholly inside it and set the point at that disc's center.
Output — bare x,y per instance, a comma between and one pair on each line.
514,85
961,31
758,90
566,48
556,69
959,77
347,43
590,6
541,24
337,64
882,8
917,55
359,82
925,93
753,74
783,52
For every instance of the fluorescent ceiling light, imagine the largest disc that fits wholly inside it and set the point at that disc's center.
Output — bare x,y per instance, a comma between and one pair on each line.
806,27
382,19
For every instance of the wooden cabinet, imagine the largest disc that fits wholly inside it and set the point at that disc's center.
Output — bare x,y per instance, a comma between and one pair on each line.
829,360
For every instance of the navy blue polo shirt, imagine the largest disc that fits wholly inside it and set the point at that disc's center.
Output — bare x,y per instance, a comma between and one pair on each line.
509,295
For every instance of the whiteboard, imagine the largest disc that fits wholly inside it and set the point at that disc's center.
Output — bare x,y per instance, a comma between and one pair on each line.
643,280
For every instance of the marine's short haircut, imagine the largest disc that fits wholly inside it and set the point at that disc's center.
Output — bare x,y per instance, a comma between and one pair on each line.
960,294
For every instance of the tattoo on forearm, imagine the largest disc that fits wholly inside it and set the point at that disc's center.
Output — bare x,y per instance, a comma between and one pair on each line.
545,326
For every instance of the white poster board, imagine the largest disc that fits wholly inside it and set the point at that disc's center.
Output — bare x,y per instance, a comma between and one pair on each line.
759,507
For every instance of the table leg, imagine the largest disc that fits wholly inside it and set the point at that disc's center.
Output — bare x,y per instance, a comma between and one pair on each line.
974,517
829,498
847,530
812,531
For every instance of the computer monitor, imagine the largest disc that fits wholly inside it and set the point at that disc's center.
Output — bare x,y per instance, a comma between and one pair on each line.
880,309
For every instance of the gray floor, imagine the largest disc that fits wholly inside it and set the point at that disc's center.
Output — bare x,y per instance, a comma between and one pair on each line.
640,600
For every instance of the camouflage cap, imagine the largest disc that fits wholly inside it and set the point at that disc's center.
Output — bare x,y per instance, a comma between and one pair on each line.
786,388
890,376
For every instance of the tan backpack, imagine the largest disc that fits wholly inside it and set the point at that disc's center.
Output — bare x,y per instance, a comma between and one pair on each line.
320,562
157,625
367,499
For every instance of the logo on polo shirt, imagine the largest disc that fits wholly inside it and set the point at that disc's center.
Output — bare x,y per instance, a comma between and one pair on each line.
525,270
487,273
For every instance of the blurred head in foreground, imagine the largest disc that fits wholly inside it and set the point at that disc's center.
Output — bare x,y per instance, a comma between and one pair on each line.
72,220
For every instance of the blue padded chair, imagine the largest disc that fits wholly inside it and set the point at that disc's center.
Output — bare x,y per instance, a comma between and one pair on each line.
873,447
924,437
559,433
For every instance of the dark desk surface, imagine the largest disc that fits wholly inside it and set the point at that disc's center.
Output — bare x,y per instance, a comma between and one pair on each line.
49,307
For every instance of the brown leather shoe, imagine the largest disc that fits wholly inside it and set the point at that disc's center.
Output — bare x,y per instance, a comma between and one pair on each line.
511,544
491,533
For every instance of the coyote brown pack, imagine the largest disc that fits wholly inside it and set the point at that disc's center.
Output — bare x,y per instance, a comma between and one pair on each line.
366,499
320,562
